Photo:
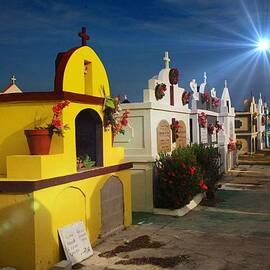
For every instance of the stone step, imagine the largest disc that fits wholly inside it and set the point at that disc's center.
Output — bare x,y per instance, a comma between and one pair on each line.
254,162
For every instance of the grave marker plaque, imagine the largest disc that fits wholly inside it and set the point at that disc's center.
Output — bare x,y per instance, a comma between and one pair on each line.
181,140
75,242
204,135
214,137
163,137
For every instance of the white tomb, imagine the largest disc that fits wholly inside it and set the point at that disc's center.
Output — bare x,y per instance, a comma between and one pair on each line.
217,111
227,117
260,124
151,130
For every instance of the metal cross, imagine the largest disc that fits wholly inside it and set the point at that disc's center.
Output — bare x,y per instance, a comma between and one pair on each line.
83,36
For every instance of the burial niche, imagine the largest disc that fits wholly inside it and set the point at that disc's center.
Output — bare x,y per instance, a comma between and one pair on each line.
112,206
89,138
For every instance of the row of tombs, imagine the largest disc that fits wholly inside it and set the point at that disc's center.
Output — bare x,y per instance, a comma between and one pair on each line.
42,193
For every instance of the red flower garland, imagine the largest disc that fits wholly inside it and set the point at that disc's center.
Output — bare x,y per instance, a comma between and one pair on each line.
205,97
173,76
202,119
215,102
186,97
160,91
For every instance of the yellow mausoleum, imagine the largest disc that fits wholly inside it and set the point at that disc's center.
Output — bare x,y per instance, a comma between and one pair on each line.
41,193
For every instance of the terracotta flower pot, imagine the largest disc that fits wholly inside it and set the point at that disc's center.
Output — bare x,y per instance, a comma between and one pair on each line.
39,141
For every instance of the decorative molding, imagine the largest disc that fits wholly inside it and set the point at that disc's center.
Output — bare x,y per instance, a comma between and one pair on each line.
51,96
31,186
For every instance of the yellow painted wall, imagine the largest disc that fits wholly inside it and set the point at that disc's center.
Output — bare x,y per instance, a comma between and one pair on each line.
14,119
22,116
76,81
29,223
31,241
17,237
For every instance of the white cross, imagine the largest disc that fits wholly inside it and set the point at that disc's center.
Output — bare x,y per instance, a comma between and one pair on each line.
166,60
205,77
226,85
13,79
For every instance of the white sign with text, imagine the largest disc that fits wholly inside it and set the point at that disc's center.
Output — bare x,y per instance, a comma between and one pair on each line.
75,242
204,135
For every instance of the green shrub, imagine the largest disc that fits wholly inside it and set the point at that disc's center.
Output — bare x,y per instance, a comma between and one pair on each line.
184,173
179,179
209,160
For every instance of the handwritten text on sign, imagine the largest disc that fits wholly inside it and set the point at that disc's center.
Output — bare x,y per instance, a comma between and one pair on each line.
75,242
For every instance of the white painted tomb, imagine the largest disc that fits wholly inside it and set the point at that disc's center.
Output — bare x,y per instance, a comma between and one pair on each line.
223,114
260,124
149,132
227,118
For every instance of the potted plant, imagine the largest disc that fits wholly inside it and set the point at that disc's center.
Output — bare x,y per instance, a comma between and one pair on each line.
39,138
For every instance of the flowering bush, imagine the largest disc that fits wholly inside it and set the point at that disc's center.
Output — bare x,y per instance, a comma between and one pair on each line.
179,179
202,119
205,97
160,91
56,125
231,145
209,160
112,118
186,97
215,102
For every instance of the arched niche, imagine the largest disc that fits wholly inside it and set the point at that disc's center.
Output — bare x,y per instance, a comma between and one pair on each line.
89,137
112,206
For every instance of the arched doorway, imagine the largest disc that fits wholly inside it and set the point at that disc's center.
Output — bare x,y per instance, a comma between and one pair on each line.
89,137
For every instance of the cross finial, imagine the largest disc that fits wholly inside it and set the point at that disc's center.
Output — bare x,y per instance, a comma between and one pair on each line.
83,36
167,60
13,79
226,84
205,77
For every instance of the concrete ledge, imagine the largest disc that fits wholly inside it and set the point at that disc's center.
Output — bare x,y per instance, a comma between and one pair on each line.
29,167
182,211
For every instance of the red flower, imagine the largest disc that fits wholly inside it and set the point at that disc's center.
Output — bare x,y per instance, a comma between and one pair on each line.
124,121
215,102
56,122
193,170
57,109
203,186
202,119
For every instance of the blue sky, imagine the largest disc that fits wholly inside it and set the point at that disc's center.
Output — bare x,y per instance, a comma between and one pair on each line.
130,37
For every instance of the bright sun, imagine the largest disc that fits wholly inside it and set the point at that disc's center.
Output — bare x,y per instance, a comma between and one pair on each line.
263,45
